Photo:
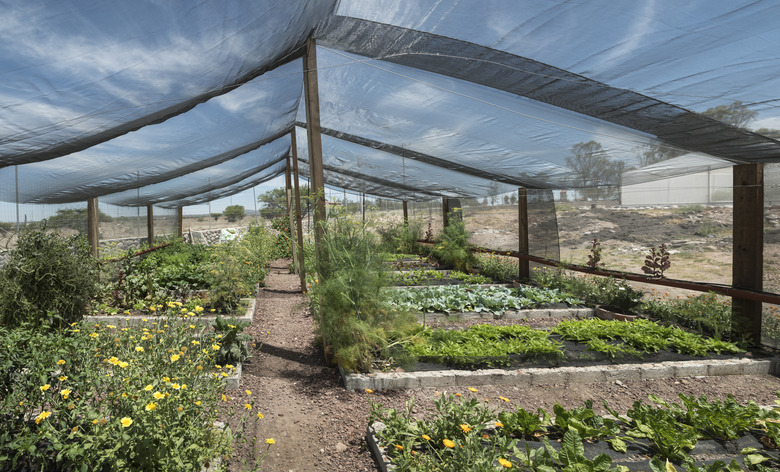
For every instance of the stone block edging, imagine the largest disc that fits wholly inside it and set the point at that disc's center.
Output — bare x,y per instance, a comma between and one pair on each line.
135,320
560,375
537,313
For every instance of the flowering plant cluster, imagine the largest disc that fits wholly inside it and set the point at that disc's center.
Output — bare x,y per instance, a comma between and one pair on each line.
104,397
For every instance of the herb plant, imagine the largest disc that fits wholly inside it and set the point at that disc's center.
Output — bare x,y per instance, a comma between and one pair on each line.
657,262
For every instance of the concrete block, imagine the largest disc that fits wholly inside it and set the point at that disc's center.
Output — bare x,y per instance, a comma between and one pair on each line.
549,377
757,367
624,373
442,378
656,371
588,375
689,369
717,368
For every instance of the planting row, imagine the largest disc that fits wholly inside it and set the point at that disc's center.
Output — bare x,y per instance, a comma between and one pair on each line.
100,397
461,434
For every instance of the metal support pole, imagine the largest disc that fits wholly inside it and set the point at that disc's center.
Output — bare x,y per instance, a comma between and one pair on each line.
93,226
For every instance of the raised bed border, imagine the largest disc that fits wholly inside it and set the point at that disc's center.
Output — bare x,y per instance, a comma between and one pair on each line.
560,375
136,320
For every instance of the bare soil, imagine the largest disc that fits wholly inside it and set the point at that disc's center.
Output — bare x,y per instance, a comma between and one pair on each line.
319,426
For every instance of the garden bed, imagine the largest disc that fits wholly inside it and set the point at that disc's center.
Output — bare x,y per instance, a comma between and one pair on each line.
142,318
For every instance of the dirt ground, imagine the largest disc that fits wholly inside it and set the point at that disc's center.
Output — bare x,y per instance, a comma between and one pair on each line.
319,426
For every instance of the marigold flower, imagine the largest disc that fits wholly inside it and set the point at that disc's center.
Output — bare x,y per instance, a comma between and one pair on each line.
504,462
60,362
458,395
126,422
42,416
465,428
499,424
399,447
448,443
270,441
368,390
426,437
472,389
151,406
179,409
503,398
44,387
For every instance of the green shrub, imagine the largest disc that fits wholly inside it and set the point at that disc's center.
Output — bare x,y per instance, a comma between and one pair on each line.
234,213
498,268
48,280
352,318
453,249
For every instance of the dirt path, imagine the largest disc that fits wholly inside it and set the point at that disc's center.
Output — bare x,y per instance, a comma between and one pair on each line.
319,426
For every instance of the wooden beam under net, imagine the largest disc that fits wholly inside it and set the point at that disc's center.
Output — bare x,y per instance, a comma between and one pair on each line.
298,219
93,228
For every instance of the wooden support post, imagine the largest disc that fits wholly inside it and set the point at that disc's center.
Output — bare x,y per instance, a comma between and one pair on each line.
445,212
180,221
314,136
298,220
524,270
748,252
288,189
150,224
93,226
406,214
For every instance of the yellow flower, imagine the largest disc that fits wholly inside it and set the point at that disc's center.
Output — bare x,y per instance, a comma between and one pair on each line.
148,388
183,386
247,406
196,343
426,437
465,428
270,441
179,409
399,447
63,378
448,443
200,367
152,308
151,406
166,379
175,386
504,462
94,422
42,416
123,364
44,387
368,390
248,392
472,389
74,429
224,398
126,421
504,398
139,349
60,362
113,360
197,402
499,424
174,358
157,395
94,335
65,393
215,347
260,415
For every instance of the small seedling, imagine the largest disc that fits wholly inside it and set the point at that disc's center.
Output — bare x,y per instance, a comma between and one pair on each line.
594,258
657,262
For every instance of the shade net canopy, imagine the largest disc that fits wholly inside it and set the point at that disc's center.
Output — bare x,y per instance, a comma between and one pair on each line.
176,103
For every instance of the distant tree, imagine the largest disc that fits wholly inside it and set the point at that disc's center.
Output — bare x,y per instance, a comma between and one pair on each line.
274,201
506,199
769,133
513,198
234,213
594,172
485,201
216,216
75,219
736,114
